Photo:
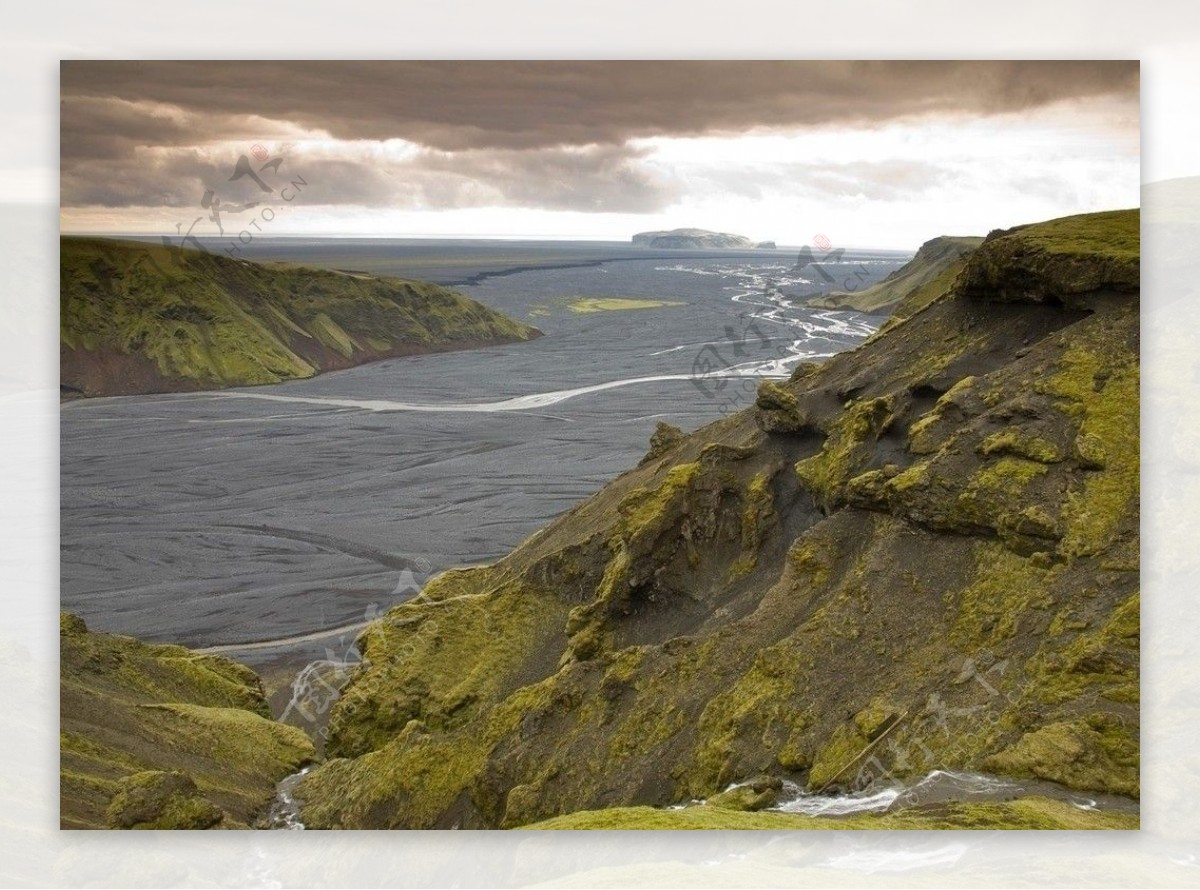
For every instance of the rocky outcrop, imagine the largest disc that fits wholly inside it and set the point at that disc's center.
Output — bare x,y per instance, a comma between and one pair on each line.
160,737
695,239
665,437
139,318
1066,261
922,554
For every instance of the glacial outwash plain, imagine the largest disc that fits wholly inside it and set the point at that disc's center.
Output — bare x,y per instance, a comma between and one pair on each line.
918,558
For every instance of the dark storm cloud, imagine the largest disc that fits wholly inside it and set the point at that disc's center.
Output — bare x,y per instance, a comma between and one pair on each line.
546,134
459,105
592,179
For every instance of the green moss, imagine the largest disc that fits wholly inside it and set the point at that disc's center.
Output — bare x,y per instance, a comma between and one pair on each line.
756,794
129,708
778,410
439,660
1059,261
811,560
1030,813
1004,590
205,320
330,333
1106,399
1116,233
758,518
955,395
624,665
1014,442
754,712
1102,661
1009,475
922,436
161,800
847,447
1098,752
875,719
643,508
837,758
914,478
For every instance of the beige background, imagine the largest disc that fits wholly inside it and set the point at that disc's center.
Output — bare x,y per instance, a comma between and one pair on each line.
1166,36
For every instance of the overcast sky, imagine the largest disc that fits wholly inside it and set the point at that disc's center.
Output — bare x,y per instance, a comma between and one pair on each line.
884,154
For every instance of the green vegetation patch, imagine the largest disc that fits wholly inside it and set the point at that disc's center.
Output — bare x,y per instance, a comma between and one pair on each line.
587,305
1028,813
190,319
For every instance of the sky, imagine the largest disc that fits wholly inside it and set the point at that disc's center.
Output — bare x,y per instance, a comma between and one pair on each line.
865,154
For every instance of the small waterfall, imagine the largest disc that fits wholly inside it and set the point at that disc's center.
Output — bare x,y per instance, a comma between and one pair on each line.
284,814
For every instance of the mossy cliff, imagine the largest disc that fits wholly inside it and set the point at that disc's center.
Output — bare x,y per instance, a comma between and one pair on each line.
138,318
922,554
920,281
160,737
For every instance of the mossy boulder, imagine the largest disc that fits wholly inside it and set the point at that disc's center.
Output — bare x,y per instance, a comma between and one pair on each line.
777,410
755,794
665,437
1096,753
161,800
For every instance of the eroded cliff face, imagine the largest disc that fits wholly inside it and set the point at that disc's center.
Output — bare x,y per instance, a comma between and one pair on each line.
922,554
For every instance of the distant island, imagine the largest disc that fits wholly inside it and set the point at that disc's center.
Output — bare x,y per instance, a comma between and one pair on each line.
697,239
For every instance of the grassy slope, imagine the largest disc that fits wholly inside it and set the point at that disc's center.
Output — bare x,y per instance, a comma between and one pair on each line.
133,715
135,320
1025,814
937,540
924,278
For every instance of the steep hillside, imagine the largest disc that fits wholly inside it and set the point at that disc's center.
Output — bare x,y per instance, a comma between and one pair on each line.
916,284
920,555
160,737
137,319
